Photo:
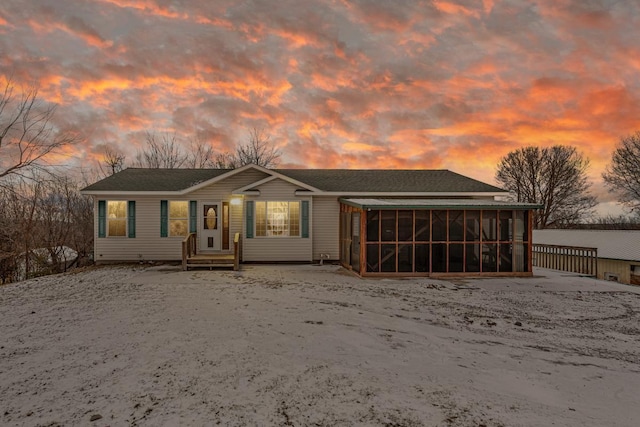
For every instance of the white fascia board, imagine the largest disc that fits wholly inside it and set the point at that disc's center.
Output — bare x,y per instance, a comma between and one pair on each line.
132,193
245,193
397,194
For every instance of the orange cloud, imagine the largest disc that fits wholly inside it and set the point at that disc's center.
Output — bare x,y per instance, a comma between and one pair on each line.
454,9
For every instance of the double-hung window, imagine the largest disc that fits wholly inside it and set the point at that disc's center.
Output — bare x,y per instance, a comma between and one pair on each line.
178,218
277,219
116,218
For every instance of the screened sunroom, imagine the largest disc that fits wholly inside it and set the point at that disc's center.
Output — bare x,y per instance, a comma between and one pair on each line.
433,237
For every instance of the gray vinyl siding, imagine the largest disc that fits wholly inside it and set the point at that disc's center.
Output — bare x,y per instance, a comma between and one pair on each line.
326,227
148,245
279,248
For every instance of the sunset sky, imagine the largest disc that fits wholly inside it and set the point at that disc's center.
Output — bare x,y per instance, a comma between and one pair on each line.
337,84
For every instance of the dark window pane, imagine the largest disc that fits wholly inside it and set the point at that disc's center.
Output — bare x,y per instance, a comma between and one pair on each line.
439,229
405,225
422,226
472,263
373,226
456,257
489,229
422,258
489,257
388,226
506,263
373,262
405,258
473,226
388,258
506,225
439,257
456,226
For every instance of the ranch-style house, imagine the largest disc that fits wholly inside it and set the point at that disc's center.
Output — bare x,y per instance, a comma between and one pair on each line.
374,222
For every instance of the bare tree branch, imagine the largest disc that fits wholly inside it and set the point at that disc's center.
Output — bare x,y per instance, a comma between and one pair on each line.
113,160
27,135
161,151
200,155
259,150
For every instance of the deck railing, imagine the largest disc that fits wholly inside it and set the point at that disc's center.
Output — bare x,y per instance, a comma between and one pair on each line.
566,258
188,249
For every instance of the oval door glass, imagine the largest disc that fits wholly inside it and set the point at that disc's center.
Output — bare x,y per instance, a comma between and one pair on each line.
210,217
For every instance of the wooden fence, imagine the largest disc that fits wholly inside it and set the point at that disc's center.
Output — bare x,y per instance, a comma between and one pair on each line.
566,258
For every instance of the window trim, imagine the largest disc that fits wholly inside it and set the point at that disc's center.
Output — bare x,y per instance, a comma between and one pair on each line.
266,213
186,219
125,219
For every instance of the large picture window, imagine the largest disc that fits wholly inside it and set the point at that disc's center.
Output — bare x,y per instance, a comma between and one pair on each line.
116,218
178,218
277,219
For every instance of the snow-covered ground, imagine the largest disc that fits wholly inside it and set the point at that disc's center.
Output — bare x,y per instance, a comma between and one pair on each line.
312,345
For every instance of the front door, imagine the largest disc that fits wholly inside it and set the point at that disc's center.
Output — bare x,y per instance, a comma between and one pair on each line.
210,226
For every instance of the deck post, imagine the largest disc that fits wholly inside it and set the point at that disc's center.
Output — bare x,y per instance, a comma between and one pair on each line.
188,249
236,252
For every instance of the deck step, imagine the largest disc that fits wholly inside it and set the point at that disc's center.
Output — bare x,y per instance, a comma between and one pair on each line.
211,261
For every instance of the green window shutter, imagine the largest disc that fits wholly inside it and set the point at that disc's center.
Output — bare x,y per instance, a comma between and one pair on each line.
102,218
131,218
193,216
164,218
305,219
249,220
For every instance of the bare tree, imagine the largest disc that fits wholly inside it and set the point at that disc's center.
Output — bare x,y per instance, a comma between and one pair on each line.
554,177
623,173
113,161
27,135
200,155
161,151
40,216
611,222
226,161
259,150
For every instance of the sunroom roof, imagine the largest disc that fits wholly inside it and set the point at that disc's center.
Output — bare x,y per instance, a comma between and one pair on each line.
436,204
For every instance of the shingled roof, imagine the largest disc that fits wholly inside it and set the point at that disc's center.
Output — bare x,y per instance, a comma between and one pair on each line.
388,180
135,179
330,180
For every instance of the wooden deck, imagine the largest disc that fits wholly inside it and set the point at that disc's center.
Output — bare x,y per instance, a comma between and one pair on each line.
192,259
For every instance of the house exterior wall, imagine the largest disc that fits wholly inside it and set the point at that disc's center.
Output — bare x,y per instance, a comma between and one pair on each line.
325,229
273,249
148,245
609,269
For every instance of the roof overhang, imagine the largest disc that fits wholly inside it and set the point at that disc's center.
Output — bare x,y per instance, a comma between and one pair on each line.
376,204
350,194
